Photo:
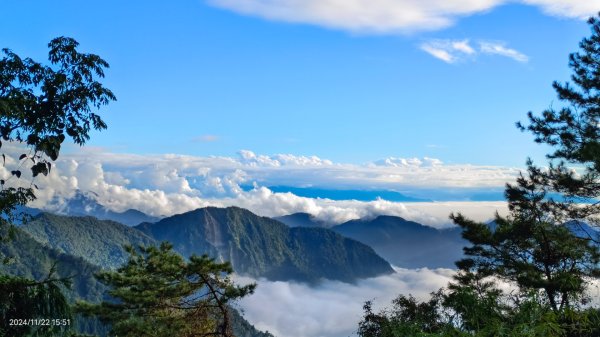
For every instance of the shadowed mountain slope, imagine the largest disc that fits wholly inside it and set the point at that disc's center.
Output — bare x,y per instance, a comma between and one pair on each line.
100,242
407,244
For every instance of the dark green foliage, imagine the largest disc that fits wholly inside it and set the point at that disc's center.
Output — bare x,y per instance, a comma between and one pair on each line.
42,104
534,254
30,265
241,327
263,247
99,242
480,311
535,246
43,300
157,293
32,260
408,317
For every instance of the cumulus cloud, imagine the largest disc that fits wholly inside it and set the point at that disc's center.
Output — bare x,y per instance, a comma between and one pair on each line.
391,16
332,309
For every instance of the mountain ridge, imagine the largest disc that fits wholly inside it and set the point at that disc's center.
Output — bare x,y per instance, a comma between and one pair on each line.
263,247
405,243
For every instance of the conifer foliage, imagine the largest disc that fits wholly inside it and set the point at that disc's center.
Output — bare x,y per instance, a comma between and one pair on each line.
157,293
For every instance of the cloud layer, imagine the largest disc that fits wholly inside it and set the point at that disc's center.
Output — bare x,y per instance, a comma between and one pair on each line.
391,16
169,184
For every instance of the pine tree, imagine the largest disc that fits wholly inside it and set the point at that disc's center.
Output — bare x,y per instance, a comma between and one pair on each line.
543,247
569,188
157,293
544,244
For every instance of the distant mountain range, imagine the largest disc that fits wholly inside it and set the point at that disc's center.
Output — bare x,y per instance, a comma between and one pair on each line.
86,204
408,244
405,244
263,247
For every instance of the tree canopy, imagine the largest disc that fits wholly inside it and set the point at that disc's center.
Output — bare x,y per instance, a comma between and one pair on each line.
40,106
157,293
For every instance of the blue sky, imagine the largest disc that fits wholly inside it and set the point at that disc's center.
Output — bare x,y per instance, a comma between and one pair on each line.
221,101
214,78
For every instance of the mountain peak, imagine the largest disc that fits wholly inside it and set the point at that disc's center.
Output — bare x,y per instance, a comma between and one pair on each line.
86,203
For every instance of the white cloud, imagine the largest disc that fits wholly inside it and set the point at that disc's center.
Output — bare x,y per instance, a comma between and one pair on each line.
581,9
332,309
439,53
499,48
448,51
248,157
169,184
391,16
370,16
452,51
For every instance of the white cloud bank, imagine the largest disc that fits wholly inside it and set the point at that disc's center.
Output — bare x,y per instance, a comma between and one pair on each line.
391,16
332,309
169,184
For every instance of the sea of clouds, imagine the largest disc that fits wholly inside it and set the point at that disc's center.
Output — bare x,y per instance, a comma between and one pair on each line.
333,308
